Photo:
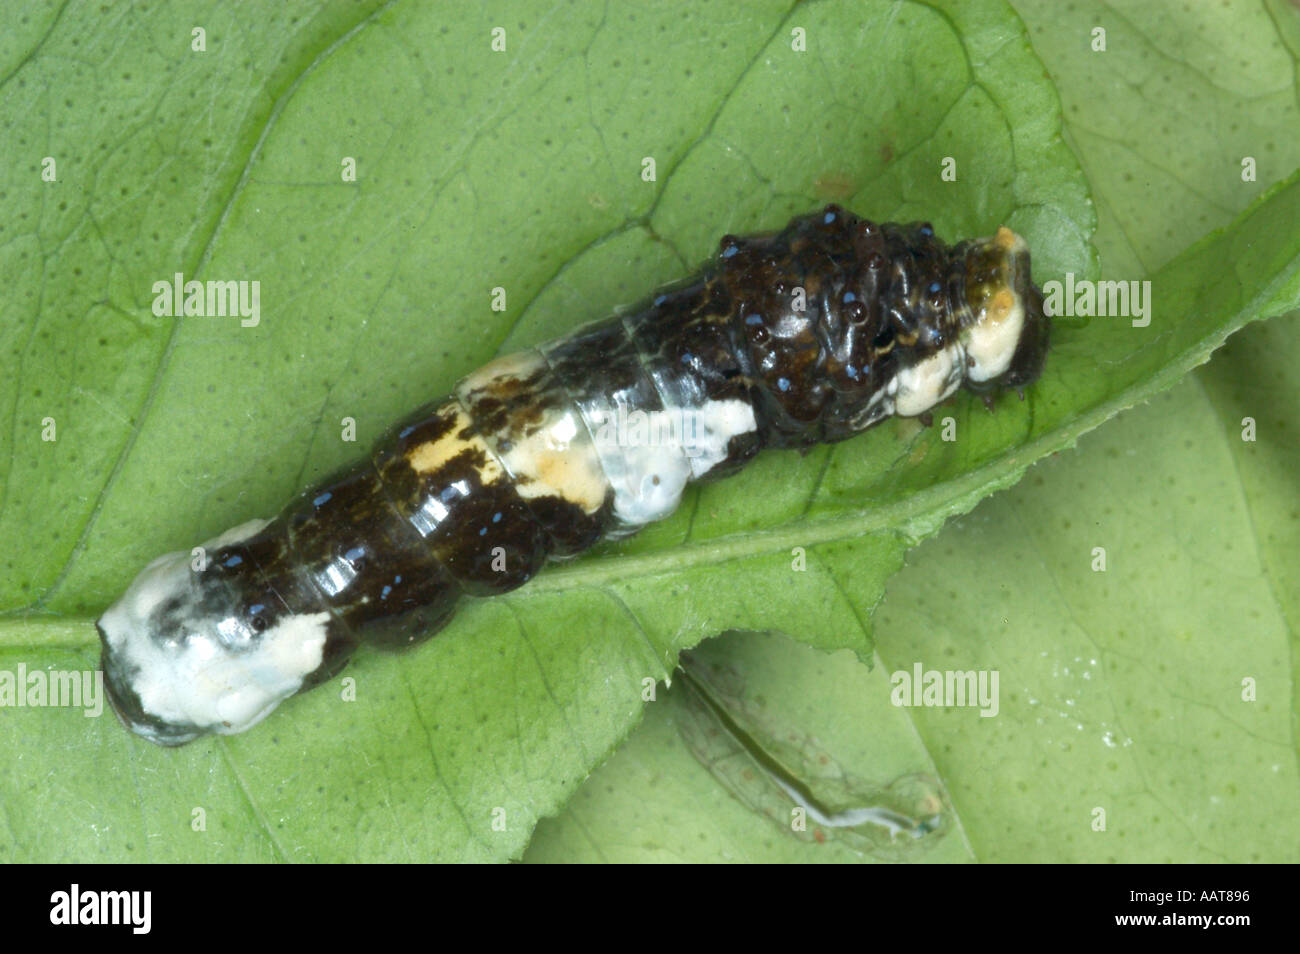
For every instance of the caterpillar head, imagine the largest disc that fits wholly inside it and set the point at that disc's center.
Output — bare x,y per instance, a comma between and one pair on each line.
979,325
1005,334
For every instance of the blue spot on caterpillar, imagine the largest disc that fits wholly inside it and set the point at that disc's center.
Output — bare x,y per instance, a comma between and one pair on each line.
808,335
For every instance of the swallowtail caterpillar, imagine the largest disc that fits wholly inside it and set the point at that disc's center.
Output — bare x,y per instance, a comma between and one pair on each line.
804,336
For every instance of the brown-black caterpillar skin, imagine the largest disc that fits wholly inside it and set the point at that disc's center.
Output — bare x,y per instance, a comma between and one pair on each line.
790,339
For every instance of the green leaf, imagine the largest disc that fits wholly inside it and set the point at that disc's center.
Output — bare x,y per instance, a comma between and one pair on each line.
1165,125
1161,120
1119,690
1125,690
1166,131
475,170
1164,118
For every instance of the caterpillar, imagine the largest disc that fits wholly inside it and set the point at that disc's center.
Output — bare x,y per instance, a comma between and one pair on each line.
787,339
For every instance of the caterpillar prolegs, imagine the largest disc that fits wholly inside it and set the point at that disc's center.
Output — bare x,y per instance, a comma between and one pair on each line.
787,339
